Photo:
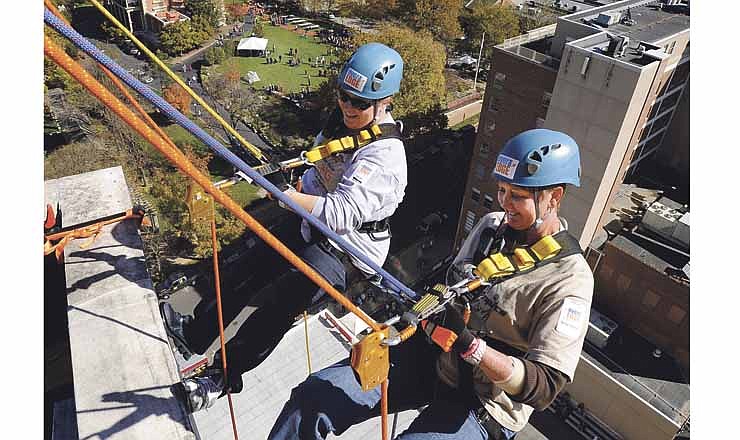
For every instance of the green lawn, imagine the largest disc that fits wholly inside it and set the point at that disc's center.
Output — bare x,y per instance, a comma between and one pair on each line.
469,121
292,79
180,136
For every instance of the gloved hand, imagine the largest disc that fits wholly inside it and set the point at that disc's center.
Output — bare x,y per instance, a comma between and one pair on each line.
448,330
278,179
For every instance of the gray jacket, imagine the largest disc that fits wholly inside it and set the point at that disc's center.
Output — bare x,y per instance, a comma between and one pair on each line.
361,186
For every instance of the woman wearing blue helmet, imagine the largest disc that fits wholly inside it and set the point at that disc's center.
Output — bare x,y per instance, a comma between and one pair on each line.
353,192
527,324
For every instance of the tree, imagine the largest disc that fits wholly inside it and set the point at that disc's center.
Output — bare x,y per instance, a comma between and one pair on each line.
312,6
207,9
202,28
498,21
237,11
215,55
366,8
115,34
179,37
536,19
423,86
440,17
178,97
258,29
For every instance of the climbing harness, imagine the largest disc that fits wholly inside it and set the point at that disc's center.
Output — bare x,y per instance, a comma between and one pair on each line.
396,287
522,259
106,97
494,269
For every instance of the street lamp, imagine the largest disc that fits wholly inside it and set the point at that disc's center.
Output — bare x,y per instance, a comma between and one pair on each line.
477,62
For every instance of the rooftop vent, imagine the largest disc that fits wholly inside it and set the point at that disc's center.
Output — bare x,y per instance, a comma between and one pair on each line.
617,46
667,222
600,327
607,19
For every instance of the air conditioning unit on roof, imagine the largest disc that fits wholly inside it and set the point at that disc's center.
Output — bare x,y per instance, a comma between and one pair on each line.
600,328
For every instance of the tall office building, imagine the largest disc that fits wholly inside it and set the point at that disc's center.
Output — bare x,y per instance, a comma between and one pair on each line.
611,77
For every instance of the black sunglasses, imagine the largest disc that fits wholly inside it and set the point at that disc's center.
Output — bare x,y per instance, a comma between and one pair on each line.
358,103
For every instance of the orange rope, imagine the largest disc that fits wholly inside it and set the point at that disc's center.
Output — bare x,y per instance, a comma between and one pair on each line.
183,164
217,281
384,409
87,231
53,51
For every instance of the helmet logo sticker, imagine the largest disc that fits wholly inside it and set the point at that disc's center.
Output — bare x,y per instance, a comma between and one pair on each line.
355,79
505,166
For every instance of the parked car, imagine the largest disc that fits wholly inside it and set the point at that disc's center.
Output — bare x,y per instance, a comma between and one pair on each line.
148,80
176,281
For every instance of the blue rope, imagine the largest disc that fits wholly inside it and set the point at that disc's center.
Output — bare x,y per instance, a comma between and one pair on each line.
395,286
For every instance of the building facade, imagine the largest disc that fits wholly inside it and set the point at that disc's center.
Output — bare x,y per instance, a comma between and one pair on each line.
611,77
147,15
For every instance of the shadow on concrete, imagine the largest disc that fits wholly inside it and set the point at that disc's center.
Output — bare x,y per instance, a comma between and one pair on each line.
97,315
121,265
335,333
144,405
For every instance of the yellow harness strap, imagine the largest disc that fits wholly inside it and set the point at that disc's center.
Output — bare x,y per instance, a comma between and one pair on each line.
499,265
346,143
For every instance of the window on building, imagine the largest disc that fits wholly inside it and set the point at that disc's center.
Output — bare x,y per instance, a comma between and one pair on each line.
606,272
623,282
480,171
584,66
484,149
546,97
469,221
650,299
475,195
654,110
490,126
676,314
488,201
498,81
494,104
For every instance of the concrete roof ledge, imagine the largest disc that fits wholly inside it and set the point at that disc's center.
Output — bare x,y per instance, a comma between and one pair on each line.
122,363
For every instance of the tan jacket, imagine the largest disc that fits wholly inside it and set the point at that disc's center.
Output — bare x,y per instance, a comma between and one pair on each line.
543,313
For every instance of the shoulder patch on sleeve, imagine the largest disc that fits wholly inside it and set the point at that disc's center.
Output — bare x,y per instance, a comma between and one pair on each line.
363,172
573,316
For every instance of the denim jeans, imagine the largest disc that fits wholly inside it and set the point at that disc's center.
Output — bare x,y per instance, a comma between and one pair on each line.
331,400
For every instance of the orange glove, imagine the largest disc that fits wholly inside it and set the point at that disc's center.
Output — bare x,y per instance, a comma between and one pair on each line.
448,330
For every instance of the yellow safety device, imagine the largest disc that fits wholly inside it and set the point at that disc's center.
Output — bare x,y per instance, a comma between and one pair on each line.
370,359
340,145
199,203
521,260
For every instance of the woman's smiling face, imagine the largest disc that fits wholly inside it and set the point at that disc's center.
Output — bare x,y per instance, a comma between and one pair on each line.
354,118
518,204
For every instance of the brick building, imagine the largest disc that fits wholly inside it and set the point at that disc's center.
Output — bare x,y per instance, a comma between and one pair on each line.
611,77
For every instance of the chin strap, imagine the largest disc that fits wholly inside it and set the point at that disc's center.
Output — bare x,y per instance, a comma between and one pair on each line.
538,220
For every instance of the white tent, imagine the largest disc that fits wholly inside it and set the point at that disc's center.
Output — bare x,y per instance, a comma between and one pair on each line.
252,77
252,44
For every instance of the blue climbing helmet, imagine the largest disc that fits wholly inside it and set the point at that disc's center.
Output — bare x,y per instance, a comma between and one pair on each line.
539,157
373,72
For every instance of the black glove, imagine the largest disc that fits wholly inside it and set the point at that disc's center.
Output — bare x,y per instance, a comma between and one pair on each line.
448,330
278,179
